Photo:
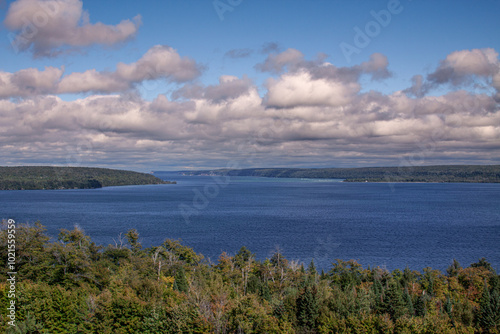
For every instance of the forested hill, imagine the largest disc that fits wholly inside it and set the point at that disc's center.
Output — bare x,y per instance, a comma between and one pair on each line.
45,177
451,173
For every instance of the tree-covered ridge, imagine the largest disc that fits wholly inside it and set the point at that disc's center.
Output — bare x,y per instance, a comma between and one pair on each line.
46,177
72,285
451,173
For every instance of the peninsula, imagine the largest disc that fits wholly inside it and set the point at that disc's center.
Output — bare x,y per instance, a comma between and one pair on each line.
46,177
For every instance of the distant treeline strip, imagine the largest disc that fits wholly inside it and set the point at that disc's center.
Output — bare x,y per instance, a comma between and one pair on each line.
46,177
451,173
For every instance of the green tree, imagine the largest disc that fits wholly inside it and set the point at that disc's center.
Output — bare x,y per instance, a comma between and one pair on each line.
346,273
133,240
453,269
181,252
181,283
482,263
394,303
73,257
307,307
489,311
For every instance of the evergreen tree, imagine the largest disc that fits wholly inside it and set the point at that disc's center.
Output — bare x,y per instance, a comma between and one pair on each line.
264,292
311,270
409,303
484,264
29,325
489,312
307,307
453,269
181,284
243,256
323,275
378,292
394,304
420,306
448,307
133,240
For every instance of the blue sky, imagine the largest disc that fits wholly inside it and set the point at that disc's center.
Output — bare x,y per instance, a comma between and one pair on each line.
332,109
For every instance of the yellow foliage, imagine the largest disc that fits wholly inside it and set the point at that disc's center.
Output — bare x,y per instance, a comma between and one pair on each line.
168,281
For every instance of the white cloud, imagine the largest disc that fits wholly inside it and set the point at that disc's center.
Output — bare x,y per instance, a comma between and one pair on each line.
477,68
277,62
160,62
29,82
50,27
300,89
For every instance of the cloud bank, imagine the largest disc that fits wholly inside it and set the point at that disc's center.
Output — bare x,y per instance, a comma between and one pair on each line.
309,113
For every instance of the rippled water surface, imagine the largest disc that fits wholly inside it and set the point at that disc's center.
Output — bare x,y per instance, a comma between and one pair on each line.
380,224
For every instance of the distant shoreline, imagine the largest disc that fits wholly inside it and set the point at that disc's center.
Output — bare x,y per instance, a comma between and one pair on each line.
65,178
416,174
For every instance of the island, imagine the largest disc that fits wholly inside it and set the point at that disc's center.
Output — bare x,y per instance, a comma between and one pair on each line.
47,177
443,173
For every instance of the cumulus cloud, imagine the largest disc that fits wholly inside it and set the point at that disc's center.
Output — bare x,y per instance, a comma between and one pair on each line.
277,62
49,27
300,89
313,83
478,68
92,81
376,66
293,60
160,62
29,82
460,66
229,87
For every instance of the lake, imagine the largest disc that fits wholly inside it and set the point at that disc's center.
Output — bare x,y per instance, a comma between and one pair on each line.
378,224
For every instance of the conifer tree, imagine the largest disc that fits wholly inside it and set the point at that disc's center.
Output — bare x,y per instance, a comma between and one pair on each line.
409,303
133,240
181,284
489,312
420,307
394,304
453,269
307,307
312,269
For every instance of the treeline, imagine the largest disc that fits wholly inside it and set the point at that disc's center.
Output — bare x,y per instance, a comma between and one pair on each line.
72,285
45,177
451,173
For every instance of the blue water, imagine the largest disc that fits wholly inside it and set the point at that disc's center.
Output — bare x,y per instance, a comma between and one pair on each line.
392,226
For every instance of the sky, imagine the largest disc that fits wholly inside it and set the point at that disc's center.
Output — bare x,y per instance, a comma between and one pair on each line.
196,84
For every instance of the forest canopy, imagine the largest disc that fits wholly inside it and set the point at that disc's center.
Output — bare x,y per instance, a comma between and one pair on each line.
72,285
